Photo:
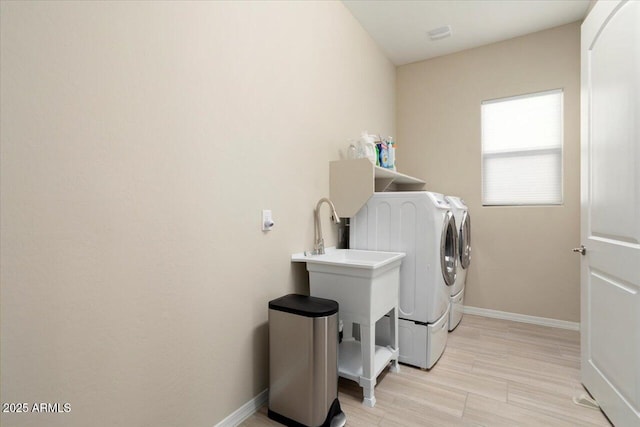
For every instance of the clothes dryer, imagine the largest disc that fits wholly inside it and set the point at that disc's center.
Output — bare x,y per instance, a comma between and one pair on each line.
420,224
463,224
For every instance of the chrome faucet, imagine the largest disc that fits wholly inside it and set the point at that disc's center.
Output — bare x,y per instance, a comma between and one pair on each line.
318,244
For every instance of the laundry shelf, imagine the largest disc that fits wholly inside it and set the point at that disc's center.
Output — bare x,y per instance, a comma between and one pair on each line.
395,177
352,182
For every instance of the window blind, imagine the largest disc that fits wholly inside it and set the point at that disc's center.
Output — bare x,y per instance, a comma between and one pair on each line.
522,149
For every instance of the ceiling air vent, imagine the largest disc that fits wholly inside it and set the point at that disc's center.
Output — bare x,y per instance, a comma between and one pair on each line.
440,33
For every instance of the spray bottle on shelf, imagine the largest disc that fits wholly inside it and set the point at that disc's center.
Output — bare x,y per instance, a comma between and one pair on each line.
384,153
392,153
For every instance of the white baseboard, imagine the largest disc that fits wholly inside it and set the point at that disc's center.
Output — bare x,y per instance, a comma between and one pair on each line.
542,321
245,411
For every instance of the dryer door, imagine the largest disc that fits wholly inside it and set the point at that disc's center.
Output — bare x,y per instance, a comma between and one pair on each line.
449,249
464,242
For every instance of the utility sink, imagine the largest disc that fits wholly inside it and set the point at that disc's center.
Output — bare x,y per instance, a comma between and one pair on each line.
365,284
351,258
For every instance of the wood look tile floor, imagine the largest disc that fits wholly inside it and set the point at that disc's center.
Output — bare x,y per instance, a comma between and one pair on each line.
493,373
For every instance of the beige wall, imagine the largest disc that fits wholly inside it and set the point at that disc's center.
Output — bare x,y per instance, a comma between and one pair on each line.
522,260
139,143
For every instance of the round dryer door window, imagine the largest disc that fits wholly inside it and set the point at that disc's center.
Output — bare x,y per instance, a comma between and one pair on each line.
449,249
465,241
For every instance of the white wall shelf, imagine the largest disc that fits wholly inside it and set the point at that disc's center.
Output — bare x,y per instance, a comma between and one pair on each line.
352,182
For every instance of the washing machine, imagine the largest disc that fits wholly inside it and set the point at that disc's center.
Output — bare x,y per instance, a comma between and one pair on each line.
463,224
420,224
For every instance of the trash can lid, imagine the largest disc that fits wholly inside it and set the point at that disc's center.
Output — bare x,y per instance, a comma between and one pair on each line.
304,305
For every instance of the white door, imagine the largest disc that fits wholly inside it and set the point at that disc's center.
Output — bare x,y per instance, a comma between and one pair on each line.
610,223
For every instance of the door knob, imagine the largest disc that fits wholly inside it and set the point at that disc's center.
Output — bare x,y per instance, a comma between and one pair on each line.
581,249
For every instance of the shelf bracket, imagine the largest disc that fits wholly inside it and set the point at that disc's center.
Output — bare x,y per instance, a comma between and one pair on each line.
382,184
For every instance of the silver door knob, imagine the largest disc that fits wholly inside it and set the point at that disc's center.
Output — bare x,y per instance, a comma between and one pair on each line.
582,250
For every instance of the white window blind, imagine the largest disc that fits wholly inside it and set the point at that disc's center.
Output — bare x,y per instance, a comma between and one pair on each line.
522,150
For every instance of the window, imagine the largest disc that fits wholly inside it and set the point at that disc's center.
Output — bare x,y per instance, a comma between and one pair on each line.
522,150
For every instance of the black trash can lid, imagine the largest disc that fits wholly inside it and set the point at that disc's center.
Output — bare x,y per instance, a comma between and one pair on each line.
304,305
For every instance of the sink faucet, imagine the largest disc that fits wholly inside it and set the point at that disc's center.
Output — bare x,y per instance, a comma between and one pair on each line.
318,244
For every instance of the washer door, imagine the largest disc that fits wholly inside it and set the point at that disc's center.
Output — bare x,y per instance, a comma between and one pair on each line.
449,249
464,242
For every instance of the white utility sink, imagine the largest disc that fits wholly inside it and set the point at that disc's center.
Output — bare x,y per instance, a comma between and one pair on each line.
370,260
365,284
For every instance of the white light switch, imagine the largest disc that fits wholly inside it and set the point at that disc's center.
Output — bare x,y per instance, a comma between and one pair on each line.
267,220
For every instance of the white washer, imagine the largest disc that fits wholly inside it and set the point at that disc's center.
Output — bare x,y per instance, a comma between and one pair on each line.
420,224
463,224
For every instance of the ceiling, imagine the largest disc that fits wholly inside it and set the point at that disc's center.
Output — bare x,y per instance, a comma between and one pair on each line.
400,27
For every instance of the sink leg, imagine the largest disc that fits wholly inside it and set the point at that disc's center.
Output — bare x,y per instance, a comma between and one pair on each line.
368,380
347,328
368,385
393,319
369,401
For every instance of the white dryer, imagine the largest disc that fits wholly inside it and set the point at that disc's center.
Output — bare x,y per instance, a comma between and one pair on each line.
463,224
420,224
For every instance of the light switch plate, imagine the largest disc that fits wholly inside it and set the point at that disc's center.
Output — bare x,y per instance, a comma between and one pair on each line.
267,220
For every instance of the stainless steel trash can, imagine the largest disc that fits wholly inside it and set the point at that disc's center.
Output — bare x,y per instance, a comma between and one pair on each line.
303,362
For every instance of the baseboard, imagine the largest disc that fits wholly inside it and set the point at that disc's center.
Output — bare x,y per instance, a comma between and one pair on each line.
542,321
245,411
